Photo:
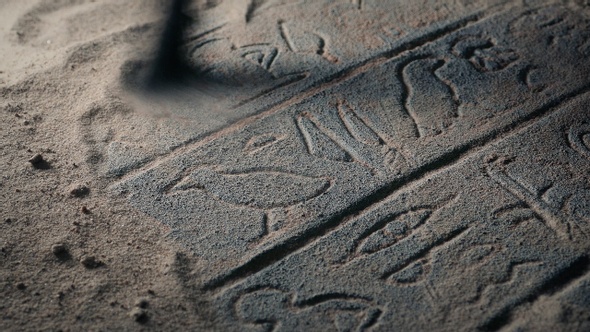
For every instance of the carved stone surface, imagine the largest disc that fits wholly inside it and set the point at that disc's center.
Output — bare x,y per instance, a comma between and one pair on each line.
464,246
400,176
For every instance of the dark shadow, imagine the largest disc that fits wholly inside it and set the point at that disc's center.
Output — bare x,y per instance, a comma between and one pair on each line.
170,74
39,163
169,66
63,256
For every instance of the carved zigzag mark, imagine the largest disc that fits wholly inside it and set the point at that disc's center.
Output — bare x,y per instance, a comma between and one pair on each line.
318,142
360,130
554,219
357,127
337,145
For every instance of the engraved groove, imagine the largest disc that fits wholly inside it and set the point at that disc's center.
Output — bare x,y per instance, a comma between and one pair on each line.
317,299
261,142
515,213
285,35
267,54
228,187
295,77
413,274
405,92
382,223
456,101
252,7
371,319
204,33
285,304
203,43
420,213
554,219
524,75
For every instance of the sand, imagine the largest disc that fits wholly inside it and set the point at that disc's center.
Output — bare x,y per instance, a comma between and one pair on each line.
338,165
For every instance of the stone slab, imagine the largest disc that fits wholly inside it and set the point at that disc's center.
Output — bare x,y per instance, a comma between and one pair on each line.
443,175
464,246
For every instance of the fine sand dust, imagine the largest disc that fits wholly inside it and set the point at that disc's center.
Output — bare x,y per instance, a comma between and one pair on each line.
73,255
74,259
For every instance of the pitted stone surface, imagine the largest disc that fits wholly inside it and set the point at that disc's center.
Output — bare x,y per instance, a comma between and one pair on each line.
406,174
